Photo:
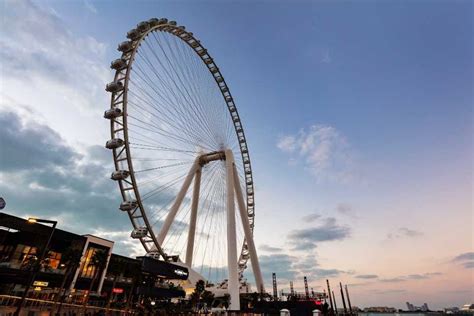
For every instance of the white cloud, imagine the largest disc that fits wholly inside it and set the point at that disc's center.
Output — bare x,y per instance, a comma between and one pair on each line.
89,6
61,73
322,150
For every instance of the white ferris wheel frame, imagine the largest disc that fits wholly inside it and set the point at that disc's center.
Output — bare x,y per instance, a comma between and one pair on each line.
128,185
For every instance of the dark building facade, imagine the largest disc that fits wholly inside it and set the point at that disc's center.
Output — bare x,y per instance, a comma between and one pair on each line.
78,264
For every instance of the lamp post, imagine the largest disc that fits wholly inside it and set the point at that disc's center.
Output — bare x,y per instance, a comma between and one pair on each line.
36,266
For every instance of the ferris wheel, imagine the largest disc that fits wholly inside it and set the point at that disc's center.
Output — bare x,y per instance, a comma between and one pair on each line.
181,157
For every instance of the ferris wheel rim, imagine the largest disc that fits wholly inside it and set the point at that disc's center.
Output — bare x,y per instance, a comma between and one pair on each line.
124,75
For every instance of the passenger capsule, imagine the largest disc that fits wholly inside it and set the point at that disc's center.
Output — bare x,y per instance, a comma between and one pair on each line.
143,26
219,79
112,113
125,47
224,89
153,22
182,27
128,205
119,175
202,52
163,21
139,232
133,34
172,23
114,86
114,143
118,64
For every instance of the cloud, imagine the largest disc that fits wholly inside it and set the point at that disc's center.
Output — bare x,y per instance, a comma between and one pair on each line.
322,150
366,276
423,276
466,260
326,58
404,232
43,176
89,6
311,217
26,146
464,256
390,291
281,264
38,51
268,248
308,238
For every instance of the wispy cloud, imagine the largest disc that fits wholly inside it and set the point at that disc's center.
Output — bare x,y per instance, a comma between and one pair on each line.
322,150
89,6
404,232
423,276
366,276
269,248
465,259
327,230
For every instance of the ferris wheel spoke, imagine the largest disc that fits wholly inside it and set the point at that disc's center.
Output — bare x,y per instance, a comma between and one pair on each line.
182,88
180,98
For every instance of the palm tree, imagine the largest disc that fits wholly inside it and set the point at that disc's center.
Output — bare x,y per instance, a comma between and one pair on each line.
71,258
98,261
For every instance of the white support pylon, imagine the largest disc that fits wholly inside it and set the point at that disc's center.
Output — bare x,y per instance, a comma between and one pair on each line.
233,281
177,203
248,233
192,222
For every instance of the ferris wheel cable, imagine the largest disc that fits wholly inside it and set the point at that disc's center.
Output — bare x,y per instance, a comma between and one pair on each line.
181,127
190,73
167,240
161,187
152,180
185,92
178,119
182,96
171,116
190,76
163,167
158,129
150,147
213,212
206,205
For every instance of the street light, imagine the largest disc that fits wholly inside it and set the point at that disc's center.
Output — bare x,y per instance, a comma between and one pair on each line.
41,258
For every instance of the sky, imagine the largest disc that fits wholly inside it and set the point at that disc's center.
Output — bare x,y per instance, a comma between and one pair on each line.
358,117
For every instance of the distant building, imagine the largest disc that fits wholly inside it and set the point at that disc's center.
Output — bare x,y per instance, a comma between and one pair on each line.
468,308
413,308
380,309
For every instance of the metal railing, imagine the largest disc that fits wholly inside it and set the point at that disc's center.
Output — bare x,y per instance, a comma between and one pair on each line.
8,304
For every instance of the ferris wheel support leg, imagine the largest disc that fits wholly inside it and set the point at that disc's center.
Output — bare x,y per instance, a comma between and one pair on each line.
233,283
177,203
248,233
192,222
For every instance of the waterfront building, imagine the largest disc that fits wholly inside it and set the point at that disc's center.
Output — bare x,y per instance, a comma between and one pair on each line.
72,263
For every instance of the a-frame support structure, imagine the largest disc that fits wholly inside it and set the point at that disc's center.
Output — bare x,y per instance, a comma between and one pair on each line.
234,195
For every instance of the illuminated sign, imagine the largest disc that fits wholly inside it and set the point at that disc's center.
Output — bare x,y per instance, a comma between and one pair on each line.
181,272
117,290
40,283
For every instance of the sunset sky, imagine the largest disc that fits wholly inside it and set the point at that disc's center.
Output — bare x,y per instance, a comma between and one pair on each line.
358,115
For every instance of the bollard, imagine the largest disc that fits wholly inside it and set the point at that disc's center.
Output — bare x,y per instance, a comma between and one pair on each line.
316,312
284,312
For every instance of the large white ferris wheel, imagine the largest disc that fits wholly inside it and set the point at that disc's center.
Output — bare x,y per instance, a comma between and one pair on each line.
181,157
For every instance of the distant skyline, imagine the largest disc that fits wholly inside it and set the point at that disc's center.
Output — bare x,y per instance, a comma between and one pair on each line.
358,115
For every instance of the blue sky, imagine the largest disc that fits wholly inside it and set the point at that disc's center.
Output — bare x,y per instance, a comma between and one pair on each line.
358,112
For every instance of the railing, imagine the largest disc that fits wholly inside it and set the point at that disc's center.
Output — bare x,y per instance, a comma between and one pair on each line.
8,304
